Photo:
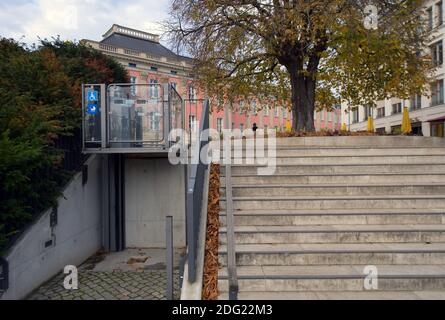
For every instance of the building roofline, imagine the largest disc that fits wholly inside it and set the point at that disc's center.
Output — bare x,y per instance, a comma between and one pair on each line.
132,33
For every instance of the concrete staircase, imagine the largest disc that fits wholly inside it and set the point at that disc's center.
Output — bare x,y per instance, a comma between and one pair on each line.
334,206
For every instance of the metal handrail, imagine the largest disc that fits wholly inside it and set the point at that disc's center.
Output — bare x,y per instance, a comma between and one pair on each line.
231,252
194,200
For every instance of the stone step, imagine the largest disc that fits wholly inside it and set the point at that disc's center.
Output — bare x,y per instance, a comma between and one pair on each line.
336,234
356,141
338,295
336,202
370,160
335,152
335,254
238,170
336,189
335,217
430,177
333,278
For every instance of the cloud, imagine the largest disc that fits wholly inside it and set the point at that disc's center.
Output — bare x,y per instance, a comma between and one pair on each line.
77,19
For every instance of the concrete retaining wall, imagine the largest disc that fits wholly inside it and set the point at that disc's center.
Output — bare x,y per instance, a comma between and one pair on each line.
154,189
77,235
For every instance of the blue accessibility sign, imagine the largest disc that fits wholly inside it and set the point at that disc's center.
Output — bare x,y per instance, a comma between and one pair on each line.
92,109
93,96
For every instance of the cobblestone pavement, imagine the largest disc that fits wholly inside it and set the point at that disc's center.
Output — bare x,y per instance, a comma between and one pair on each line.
120,285
134,274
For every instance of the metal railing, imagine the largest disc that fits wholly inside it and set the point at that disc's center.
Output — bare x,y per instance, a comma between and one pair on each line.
230,224
169,257
4,275
125,118
194,198
71,146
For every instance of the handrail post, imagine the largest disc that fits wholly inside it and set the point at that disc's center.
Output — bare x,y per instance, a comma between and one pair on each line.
231,254
190,236
169,260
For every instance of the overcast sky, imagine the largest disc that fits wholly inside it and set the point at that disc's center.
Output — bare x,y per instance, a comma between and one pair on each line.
77,19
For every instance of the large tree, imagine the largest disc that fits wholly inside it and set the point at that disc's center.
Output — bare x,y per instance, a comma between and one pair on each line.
305,52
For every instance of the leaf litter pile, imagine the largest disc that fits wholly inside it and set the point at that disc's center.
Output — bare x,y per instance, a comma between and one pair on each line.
210,283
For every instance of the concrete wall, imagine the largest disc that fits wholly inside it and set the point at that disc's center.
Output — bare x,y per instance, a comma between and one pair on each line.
77,235
154,189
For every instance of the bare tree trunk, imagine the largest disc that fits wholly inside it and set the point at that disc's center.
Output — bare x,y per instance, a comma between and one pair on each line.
303,102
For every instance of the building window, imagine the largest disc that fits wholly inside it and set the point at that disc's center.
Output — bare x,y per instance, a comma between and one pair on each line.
439,10
437,93
192,93
174,85
368,112
437,129
253,104
381,112
133,88
241,107
153,68
219,125
276,112
381,130
241,126
330,116
396,129
417,128
429,12
192,123
437,53
132,65
397,108
284,113
416,102
153,89
174,72
355,115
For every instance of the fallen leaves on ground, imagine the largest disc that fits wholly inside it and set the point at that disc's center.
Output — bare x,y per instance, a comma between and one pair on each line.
210,283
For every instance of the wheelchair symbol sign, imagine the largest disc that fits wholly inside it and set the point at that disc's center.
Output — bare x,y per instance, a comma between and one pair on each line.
92,109
93,96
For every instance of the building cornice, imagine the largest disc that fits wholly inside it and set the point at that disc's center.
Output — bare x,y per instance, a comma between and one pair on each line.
132,33
134,55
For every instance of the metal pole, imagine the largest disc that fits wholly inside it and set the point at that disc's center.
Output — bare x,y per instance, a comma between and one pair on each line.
103,116
231,254
169,249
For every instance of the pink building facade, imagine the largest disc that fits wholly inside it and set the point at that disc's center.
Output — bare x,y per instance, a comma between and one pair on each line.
328,120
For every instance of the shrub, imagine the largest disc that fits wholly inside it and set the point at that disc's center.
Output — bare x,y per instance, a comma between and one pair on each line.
40,102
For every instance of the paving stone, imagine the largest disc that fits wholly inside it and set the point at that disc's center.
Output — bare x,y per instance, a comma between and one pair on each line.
123,285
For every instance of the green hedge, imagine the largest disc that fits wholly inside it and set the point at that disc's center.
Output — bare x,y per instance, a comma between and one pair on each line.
40,102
